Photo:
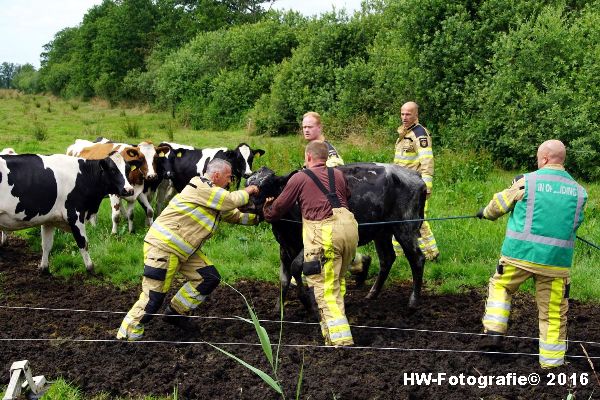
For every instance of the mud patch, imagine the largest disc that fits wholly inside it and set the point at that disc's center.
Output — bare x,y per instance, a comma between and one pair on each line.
371,370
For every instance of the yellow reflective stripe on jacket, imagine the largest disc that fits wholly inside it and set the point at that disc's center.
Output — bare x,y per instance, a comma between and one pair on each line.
215,200
198,214
171,239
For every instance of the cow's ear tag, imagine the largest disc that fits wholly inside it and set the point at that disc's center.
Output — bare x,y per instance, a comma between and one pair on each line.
257,155
161,154
179,154
133,167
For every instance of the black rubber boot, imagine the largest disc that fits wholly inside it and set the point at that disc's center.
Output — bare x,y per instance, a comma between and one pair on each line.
181,321
492,341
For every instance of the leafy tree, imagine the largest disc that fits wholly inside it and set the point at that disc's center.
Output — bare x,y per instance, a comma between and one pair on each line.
26,79
7,73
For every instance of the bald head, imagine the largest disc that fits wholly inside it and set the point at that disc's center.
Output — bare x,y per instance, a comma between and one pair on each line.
409,113
551,152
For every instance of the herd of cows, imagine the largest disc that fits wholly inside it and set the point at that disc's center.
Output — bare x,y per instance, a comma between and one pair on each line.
65,191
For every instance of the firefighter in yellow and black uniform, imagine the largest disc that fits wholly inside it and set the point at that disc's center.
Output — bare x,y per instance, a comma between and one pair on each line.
546,209
413,151
173,244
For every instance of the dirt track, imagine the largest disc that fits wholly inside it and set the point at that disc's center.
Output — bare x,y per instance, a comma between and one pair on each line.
200,372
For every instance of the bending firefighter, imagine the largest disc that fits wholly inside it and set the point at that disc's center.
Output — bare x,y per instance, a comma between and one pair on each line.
413,151
173,244
546,209
330,236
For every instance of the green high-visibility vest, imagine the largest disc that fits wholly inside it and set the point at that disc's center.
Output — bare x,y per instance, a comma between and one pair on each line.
542,227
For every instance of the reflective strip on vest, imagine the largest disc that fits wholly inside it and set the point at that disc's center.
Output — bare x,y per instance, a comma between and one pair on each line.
534,185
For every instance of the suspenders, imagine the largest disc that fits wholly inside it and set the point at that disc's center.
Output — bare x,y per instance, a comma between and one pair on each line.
331,194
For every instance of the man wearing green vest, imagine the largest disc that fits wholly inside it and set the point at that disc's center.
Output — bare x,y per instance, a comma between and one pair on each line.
546,208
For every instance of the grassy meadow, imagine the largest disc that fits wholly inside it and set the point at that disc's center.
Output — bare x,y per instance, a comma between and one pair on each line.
464,182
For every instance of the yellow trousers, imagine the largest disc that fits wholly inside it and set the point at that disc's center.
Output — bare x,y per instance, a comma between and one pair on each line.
551,295
160,267
332,243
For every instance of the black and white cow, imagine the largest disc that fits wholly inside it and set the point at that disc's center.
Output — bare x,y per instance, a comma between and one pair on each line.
57,191
8,151
146,152
185,162
379,193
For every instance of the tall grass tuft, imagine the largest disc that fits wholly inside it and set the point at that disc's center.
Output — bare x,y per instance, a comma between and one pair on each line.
40,131
131,129
266,346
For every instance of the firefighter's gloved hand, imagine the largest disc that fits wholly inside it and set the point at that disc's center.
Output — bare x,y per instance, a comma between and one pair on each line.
480,213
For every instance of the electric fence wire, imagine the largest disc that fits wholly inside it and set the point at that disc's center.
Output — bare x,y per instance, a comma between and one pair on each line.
242,319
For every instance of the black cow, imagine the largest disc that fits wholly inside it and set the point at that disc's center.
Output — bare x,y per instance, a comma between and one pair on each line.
58,191
185,162
379,193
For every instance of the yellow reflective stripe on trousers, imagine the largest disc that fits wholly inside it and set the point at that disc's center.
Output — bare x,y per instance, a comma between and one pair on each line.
552,354
173,268
339,330
497,308
171,239
553,348
556,296
129,330
187,298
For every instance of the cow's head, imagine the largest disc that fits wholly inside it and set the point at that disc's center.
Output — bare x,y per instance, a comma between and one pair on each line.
164,161
269,185
116,170
150,153
247,154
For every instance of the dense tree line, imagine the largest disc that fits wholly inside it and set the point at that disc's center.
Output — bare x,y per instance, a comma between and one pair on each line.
497,75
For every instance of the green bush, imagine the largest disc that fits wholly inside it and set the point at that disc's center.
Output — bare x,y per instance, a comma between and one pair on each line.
542,84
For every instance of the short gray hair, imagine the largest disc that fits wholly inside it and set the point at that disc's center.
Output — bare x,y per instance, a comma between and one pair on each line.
217,165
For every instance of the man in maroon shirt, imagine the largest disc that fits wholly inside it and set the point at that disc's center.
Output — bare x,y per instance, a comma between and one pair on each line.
330,236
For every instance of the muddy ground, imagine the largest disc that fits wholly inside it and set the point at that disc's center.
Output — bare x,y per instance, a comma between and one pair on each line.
375,369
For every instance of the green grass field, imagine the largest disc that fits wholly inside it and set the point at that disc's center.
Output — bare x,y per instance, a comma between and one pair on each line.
464,182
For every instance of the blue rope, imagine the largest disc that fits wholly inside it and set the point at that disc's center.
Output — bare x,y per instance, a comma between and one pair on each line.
589,243
400,222
435,219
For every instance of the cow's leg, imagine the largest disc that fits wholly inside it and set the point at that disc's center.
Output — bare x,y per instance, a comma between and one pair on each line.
410,245
47,242
78,230
3,238
386,254
303,294
115,207
147,207
129,213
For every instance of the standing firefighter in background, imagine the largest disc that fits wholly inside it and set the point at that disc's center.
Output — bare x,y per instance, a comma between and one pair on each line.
546,208
312,129
413,151
173,244
330,236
